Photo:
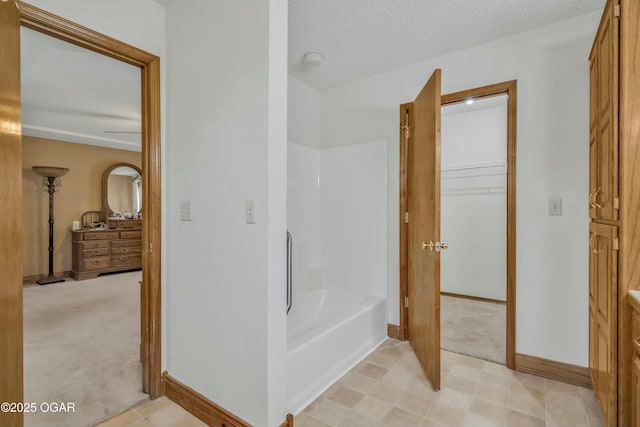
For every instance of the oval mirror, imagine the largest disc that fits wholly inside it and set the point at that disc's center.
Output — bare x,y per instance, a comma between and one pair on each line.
122,191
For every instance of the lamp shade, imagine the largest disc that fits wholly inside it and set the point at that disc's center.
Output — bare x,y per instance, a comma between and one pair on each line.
51,171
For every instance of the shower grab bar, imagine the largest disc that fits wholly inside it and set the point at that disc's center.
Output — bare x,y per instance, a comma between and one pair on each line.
289,271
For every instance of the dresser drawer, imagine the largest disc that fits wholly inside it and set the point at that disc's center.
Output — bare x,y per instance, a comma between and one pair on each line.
98,244
101,235
130,234
89,253
126,260
125,243
96,263
127,250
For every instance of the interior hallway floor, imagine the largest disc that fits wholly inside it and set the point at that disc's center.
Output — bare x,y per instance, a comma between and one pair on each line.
389,389
474,328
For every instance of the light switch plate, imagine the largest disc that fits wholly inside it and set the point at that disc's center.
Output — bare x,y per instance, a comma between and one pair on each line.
555,207
250,212
185,211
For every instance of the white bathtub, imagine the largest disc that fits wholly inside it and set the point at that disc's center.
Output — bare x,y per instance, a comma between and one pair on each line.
329,332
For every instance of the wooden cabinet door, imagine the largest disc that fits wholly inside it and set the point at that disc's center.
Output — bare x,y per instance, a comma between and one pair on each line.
593,349
593,131
635,392
603,176
603,311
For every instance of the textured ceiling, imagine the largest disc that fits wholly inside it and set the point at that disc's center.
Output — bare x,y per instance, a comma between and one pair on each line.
358,38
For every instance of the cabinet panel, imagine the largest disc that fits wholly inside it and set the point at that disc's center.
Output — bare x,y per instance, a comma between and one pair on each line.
593,93
604,66
594,174
635,392
607,171
603,274
593,356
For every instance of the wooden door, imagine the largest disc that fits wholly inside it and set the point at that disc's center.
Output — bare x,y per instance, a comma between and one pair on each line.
11,388
604,277
423,205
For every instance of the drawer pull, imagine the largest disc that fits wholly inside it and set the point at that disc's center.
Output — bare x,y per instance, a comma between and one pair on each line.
96,261
124,258
96,253
124,250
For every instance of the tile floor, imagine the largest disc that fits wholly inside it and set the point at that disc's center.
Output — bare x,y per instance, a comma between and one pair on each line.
156,413
389,389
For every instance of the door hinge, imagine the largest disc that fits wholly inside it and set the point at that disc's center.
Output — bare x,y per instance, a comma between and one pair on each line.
616,11
406,217
616,244
406,302
616,203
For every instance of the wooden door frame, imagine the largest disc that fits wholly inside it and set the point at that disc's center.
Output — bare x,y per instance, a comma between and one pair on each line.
150,304
506,88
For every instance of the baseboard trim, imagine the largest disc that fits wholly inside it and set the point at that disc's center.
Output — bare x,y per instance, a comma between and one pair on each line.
33,278
393,331
204,409
473,298
198,405
288,422
559,371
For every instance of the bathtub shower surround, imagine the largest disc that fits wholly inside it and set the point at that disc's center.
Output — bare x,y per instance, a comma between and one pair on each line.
330,331
337,216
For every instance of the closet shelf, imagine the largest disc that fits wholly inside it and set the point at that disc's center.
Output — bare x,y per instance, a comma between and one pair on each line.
472,171
474,179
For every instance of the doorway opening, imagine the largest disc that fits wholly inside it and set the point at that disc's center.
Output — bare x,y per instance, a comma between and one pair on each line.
420,125
13,15
473,223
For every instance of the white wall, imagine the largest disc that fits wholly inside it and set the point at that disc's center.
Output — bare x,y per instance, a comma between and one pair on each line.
473,208
336,212
304,216
303,122
226,322
353,183
142,26
550,64
303,185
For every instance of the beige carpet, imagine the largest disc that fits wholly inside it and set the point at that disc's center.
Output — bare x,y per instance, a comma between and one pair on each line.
474,328
81,345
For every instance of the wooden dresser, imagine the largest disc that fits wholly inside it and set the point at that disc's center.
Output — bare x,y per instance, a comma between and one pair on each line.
105,251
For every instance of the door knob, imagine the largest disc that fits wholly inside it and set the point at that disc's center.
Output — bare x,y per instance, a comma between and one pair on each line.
444,246
429,245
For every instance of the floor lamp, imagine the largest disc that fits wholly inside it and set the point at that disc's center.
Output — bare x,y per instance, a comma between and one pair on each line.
51,182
